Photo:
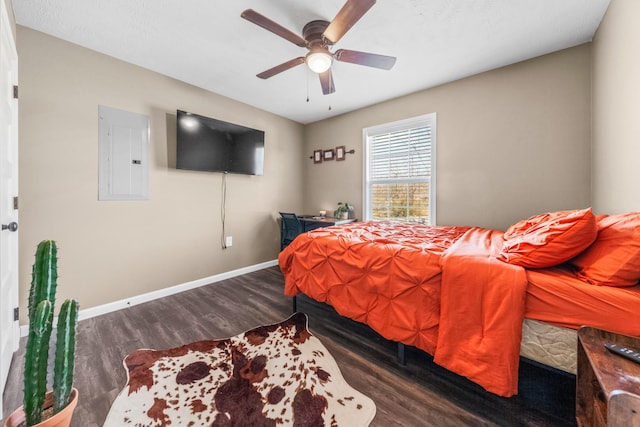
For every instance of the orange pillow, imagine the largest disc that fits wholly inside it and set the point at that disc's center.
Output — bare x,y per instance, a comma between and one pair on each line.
614,258
549,239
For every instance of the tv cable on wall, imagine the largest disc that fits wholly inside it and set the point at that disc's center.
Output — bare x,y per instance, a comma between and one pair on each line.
223,208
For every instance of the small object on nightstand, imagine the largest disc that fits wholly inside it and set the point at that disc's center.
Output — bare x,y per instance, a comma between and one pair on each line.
634,356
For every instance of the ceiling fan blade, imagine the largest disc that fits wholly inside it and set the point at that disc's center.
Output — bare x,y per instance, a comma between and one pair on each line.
350,13
280,68
363,58
326,81
269,25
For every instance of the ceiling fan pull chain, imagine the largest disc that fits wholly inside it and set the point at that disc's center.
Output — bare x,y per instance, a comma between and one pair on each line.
331,84
307,74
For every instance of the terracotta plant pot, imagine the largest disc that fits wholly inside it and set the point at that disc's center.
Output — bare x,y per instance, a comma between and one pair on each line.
61,419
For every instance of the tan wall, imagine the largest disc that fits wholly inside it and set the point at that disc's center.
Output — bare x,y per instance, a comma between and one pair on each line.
511,143
616,107
113,250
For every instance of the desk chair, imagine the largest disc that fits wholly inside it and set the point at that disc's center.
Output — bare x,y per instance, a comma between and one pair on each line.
289,228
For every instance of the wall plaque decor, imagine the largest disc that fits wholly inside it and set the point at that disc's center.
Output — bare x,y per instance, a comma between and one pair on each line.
328,154
317,156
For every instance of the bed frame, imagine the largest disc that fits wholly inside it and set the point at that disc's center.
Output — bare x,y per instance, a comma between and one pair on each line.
548,345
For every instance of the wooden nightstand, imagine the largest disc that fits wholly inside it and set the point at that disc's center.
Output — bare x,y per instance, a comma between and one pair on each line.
607,385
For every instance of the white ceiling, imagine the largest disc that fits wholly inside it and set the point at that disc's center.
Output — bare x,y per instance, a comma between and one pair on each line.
207,44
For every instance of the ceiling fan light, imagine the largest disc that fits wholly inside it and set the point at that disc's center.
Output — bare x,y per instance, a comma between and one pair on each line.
319,62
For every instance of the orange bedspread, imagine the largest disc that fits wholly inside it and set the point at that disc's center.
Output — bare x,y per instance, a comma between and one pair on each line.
384,274
394,278
481,313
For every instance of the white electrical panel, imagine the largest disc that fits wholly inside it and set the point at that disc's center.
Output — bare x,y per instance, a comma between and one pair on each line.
123,145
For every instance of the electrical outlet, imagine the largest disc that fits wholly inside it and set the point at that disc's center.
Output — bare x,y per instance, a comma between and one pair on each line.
228,241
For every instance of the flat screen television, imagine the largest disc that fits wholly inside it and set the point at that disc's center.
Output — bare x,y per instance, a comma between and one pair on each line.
206,144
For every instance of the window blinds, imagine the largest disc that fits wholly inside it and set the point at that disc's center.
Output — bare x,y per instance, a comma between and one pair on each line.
401,155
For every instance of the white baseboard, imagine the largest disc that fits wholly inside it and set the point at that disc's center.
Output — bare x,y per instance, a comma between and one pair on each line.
150,296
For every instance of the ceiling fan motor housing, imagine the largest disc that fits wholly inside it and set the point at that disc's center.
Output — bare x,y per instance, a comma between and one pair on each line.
312,33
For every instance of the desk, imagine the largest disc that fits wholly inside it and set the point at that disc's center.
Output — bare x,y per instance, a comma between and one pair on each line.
310,222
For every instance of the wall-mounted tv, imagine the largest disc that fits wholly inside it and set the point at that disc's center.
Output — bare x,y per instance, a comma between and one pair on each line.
206,144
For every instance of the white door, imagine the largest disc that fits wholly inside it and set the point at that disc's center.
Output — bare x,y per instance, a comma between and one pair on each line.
9,331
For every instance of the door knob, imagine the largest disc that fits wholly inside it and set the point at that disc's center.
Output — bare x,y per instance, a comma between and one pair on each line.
12,226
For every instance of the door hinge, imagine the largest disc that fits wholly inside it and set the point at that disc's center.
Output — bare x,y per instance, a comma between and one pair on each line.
16,314
15,91
15,203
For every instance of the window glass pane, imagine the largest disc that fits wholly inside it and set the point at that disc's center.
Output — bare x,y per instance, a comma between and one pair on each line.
402,201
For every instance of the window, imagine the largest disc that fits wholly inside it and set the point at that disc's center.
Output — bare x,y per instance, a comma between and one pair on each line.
400,170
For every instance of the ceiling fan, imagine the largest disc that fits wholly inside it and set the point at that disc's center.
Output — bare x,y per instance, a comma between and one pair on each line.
318,36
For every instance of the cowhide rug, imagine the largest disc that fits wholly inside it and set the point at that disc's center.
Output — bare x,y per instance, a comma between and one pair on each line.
273,375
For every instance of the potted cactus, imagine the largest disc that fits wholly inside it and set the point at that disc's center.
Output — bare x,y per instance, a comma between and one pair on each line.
42,408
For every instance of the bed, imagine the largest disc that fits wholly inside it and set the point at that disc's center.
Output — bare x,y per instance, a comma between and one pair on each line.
474,298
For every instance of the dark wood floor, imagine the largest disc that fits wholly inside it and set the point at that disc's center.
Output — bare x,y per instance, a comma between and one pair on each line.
417,394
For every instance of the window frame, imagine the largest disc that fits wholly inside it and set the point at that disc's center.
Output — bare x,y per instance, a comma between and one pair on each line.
397,126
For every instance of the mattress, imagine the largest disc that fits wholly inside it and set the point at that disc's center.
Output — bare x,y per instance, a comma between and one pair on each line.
550,345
